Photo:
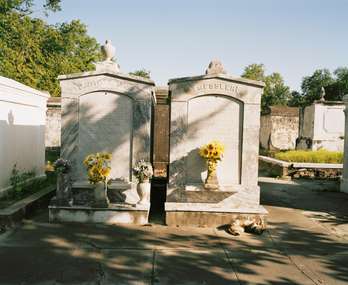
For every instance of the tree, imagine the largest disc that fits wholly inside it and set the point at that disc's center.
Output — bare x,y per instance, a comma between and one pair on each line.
255,72
35,53
341,75
25,6
141,72
296,99
275,91
311,85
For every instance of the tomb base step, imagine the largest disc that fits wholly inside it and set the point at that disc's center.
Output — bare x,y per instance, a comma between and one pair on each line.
200,216
115,214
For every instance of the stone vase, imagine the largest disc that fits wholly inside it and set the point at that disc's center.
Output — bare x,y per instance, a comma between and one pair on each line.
211,182
108,50
63,192
144,189
101,199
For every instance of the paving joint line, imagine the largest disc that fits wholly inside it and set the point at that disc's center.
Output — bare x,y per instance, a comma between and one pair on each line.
230,260
303,269
153,270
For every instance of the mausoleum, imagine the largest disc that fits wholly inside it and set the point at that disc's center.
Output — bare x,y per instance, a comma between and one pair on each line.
322,125
111,113
213,107
105,111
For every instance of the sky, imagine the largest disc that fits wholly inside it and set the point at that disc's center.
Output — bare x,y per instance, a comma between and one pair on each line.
179,38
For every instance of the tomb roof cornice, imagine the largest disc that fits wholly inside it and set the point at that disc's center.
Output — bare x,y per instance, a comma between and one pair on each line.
120,75
221,76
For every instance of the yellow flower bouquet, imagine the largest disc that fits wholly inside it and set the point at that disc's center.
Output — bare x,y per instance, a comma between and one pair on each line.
212,153
98,167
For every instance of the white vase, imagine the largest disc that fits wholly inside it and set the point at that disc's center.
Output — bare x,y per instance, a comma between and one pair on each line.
143,189
101,199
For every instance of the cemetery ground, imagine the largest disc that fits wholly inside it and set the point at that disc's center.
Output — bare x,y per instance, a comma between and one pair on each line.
305,243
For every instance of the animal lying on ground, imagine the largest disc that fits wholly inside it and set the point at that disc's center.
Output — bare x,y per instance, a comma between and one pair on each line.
248,225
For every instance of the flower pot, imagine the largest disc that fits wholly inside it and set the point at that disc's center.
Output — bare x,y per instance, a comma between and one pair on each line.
63,192
211,182
143,189
101,199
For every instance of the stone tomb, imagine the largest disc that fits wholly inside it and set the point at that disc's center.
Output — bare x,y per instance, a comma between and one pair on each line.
322,126
210,107
105,111
344,180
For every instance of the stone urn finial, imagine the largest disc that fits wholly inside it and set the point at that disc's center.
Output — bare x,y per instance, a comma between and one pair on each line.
322,94
215,67
108,51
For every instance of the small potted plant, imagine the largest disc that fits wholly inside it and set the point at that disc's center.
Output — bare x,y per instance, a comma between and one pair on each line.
98,171
143,172
212,153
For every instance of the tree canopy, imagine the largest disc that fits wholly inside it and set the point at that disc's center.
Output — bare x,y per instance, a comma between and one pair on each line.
26,6
141,72
335,85
35,53
311,85
275,91
255,72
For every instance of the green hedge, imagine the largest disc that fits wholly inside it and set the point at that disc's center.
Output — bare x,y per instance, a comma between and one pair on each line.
320,156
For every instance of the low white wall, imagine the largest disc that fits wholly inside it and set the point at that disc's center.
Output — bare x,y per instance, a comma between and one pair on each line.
344,181
22,129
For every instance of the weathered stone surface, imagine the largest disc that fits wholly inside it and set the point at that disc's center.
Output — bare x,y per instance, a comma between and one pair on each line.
108,51
118,192
106,111
215,67
53,123
344,181
279,129
115,214
322,126
64,195
203,109
105,124
213,118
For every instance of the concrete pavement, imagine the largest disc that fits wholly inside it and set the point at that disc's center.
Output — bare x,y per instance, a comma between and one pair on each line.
306,243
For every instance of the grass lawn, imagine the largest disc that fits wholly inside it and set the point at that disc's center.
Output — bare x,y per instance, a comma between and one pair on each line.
319,156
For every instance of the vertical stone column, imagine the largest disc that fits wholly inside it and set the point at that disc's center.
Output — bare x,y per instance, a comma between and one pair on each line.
344,181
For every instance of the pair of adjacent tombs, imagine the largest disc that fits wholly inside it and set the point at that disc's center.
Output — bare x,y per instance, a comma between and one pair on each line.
107,110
